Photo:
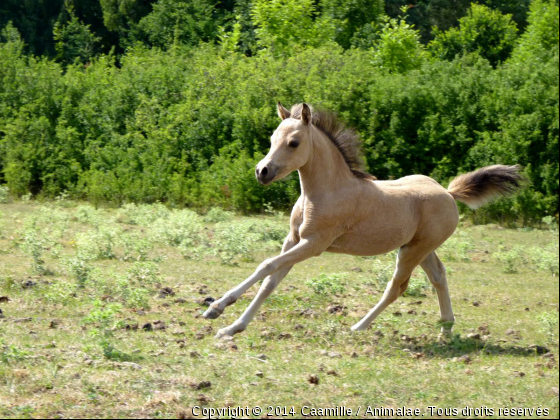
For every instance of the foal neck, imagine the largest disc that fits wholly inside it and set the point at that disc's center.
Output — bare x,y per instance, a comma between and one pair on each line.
325,171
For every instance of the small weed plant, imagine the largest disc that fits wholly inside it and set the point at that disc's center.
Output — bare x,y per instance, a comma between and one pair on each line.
327,284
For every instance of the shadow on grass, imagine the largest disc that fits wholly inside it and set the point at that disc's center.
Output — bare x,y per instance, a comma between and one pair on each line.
460,346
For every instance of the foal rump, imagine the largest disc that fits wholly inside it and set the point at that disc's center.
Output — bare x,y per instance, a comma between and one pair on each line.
485,184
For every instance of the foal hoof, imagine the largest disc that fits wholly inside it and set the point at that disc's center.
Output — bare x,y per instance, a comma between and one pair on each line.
223,335
228,332
212,313
358,327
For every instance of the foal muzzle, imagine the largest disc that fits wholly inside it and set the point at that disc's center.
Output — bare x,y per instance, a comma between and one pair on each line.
266,173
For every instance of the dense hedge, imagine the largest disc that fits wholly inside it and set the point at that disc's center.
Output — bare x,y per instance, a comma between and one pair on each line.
187,125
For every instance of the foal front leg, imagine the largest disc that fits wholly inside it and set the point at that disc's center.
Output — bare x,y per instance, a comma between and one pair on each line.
217,308
266,289
277,268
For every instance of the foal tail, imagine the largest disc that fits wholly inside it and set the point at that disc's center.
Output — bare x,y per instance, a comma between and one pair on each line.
485,184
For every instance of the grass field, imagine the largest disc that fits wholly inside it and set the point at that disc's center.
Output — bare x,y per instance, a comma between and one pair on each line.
102,318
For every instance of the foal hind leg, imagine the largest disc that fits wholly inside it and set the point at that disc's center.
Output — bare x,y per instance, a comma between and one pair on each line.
435,270
408,258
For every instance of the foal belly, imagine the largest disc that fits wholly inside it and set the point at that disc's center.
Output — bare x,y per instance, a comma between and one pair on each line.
371,242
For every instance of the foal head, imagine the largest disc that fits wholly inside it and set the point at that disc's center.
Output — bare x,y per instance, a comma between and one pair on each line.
290,145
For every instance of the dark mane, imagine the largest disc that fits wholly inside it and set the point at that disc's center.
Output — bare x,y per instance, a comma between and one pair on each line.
345,139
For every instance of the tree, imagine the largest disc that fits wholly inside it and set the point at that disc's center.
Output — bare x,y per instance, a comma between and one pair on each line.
178,21
425,14
283,25
540,40
34,20
485,31
350,17
398,48
74,41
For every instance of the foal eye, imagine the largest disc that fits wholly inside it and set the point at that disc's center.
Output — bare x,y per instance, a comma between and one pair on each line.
293,144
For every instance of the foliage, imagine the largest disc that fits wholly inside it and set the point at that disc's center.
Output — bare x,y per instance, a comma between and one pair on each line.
398,49
216,214
241,239
181,226
417,287
445,14
509,258
327,284
383,272
549,322
143,273
103,318
457,248
540,41
4,194
177,22
80,268
186,122
351,19
74,41
34,244
541,258
484,31
11,353
283,25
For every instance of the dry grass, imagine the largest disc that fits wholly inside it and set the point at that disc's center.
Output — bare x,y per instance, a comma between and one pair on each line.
65,350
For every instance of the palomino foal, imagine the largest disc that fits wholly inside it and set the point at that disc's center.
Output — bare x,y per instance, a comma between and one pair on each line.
343,209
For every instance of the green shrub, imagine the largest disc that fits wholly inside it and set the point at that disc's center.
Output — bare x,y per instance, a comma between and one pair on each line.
87,215
99,243
484,31
383,272
540,41
74,41
4,194
80,268
398,48
545,259
61,292
235,241
549,322
187,126
417,287
327,284
510,258
135,246
34,244
457,247
180,226
143,273
143,214
216,214
283,25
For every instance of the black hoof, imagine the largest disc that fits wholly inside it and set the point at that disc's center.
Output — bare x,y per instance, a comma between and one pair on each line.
212,313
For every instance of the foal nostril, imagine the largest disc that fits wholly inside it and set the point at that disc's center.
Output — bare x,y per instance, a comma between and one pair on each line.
264,171
257,171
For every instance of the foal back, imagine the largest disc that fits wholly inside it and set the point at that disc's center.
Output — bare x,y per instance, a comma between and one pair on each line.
386,215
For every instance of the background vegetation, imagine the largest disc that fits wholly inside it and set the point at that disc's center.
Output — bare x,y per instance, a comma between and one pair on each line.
173,101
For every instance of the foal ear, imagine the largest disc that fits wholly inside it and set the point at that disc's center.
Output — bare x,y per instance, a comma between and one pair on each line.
305,114
283,113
